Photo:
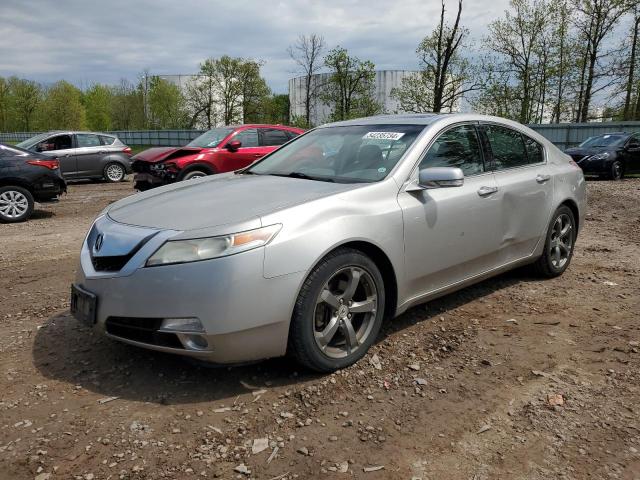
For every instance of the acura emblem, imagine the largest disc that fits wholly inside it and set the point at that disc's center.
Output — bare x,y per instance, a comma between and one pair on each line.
98,244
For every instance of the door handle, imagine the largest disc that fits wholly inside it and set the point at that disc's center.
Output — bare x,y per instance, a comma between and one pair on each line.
543,178
486,191
258,155
103,151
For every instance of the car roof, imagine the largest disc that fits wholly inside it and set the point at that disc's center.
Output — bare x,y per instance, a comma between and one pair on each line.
262,125
72,132
424,119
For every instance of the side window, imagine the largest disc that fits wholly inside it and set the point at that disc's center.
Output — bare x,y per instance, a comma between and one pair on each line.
106,140
457,147
272,137
87,140
249,137
534,150
291,134
59,142
507,147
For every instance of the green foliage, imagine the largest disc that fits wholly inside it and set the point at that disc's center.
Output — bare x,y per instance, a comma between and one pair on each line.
97,103
166,105
62,108
350,89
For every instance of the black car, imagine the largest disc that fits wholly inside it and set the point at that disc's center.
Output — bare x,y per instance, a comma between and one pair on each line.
26,177
611,155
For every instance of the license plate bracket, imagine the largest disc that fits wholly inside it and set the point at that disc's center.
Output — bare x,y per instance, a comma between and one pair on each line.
83,305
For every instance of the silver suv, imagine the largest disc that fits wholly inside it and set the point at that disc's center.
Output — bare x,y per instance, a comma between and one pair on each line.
84,154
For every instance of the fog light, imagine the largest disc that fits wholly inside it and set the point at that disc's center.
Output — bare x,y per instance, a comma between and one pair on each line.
196,342
182,325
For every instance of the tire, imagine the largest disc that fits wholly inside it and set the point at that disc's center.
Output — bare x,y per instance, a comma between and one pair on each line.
347,308
193,174
616,170
114,172
550,265
16,204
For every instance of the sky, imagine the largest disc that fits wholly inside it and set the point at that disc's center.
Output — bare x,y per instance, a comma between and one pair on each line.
89,41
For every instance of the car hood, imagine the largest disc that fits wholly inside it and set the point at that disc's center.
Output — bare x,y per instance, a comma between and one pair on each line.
218,200
159,154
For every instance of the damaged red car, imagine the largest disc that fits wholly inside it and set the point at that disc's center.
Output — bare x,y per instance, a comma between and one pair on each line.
216,151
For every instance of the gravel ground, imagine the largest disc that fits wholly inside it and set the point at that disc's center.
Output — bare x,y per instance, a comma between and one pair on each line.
514,378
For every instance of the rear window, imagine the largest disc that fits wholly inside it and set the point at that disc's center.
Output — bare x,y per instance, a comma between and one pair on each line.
273,137
106,140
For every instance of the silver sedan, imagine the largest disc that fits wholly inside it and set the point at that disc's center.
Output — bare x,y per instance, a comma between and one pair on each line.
310,249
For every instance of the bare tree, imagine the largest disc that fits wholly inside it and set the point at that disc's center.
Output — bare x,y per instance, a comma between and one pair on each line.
307,53
628,112
596,21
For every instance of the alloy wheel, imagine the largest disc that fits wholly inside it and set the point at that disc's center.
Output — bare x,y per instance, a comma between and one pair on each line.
345,312
561,241
115,172
13,204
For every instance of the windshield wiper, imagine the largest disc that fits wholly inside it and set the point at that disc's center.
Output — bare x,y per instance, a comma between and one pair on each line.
303,176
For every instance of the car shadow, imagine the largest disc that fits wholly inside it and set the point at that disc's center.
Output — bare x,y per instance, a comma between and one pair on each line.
67,351
40,214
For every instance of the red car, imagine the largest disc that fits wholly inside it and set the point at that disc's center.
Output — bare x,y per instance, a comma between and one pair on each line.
216,151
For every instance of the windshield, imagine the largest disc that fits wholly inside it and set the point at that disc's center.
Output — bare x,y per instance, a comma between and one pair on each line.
604,141
352,154
212,138
30,142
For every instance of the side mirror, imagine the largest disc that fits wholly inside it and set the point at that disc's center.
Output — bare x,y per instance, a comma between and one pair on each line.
234,145
439,177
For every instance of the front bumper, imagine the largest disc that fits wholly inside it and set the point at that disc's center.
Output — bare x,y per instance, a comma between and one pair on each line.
594,167
244,316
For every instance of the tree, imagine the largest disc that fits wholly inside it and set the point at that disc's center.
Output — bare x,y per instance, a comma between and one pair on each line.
307,53
127,107
349,89
444,76
255,92
595,22
4,105
62,107
633,77
201,96
26,96
563,64
516,39
97,103
166,105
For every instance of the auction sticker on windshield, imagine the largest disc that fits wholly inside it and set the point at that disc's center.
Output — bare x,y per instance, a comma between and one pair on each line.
383,136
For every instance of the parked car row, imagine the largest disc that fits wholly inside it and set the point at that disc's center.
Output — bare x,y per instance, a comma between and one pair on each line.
76,155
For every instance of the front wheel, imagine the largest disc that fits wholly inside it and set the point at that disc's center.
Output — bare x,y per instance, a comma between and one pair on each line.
617,171
193,174
114,173
338,312
559,243
16,204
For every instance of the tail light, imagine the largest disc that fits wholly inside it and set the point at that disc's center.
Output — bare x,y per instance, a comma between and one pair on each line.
127,150
50,164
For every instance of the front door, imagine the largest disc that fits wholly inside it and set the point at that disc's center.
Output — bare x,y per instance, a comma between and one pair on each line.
62,148
525,191
451,233
89,155
249,151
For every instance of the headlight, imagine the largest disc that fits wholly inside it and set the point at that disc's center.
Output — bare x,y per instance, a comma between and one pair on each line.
197,249
599,156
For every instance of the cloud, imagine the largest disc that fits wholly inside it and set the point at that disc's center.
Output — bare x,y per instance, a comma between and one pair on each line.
86,41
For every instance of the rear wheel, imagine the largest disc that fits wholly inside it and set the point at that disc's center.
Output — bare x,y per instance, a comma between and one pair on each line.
114,173
558,247
16,204
616,171
193,174
338,313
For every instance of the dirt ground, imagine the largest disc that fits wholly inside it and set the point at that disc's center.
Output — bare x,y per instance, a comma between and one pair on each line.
460,389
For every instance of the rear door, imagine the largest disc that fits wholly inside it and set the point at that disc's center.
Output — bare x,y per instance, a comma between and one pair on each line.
525,190
272,138
632,154
89,154
63,148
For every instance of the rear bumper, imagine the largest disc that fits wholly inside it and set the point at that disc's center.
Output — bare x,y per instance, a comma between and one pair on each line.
49,188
